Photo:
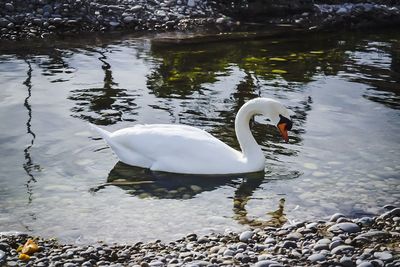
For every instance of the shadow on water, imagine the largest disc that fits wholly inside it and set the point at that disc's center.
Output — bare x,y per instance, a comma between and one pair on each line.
144,183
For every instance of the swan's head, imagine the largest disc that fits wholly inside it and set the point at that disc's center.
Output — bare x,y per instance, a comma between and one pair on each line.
277,114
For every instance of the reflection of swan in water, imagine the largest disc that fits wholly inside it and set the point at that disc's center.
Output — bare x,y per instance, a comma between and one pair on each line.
144,183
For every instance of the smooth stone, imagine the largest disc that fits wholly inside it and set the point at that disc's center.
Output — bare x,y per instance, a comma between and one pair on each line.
365,264
156,263
229,252
128,19
385,256
294,236
373,234
9,6
321,247
389,207
312,225
3,256
265,263
335,243
347,227
317,257
4,246
191,3
246,236
269,240
342,249
336,216
114,23
378,263
346,261
365,221
390,213
289,244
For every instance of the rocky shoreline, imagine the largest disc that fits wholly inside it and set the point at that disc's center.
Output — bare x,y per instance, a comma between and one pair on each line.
21,19
340,241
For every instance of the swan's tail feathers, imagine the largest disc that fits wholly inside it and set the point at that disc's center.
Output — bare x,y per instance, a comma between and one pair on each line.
103,133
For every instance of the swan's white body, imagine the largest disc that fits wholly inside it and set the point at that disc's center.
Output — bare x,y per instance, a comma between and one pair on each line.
185,149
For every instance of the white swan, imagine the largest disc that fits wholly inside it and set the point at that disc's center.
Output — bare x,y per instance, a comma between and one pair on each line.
185,149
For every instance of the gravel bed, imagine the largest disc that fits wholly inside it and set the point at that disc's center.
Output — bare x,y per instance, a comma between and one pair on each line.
24,19
340,241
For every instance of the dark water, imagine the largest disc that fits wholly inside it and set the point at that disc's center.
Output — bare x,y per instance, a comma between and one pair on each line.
57,178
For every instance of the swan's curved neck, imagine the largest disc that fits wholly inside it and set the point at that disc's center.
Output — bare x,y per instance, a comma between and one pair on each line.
250,149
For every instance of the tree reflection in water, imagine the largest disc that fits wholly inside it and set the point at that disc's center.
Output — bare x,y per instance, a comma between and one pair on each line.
103,105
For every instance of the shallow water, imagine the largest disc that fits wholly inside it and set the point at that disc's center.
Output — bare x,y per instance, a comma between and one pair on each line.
58,179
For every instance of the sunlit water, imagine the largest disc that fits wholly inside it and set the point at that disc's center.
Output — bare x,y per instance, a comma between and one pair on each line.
58,179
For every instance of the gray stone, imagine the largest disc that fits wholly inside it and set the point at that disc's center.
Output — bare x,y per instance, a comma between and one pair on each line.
378,263
191,3
220,20
347,227
269,240
128,19
335,243
114,23
341,11
265,263
289,244
335,217
390,213
365,221
229,252
9,7
317,257
347,262
3,256
246,236
321,246
136,8
156,263
389,207
373,235
365,264
342,249
294,236
385,256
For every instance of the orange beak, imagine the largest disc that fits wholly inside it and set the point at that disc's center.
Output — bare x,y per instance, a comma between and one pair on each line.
283,130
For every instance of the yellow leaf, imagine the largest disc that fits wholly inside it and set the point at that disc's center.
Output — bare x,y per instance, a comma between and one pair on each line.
293,54
277,59
24,257
30,247
317,52
279,71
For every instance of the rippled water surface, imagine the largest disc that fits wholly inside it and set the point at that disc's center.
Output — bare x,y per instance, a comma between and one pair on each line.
58,179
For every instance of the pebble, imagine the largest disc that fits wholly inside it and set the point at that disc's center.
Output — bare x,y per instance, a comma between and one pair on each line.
270,246
265,263
365,264
347,227
2,256
246,236
336,216
347,262
317,257
342,249
385,256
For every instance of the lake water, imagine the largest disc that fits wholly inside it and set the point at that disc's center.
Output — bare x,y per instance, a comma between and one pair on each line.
59,179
